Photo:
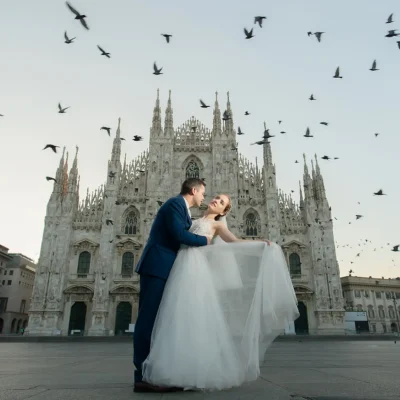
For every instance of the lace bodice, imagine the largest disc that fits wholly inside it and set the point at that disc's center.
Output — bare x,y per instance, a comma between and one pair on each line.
201,227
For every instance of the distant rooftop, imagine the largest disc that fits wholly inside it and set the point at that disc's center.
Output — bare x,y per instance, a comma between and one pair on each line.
22,255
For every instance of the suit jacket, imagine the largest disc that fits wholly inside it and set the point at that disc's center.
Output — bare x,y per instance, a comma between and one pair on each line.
168,232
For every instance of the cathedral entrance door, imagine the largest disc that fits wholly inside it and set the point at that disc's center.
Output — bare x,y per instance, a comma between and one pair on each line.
301,323
123,318
77,318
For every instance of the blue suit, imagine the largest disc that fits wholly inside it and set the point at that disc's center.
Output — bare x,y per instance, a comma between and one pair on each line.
168,232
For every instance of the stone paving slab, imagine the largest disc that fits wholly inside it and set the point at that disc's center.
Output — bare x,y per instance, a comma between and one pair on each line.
292,370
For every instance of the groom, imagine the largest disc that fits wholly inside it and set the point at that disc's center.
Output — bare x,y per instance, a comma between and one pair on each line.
168,232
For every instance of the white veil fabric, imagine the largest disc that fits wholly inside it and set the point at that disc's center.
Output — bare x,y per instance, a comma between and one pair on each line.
256,292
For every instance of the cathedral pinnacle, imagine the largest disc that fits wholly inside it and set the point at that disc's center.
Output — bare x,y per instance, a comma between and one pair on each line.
217,117
169,119
118,135
305,165
267,152
316,165
301,195
74,165
73,174
116,149
156,128
65,176
229,122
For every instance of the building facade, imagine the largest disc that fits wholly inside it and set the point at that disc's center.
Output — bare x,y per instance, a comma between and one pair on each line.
378,297
17,279
86,282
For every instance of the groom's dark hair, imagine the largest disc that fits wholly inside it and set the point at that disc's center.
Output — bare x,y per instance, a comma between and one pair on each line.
191,183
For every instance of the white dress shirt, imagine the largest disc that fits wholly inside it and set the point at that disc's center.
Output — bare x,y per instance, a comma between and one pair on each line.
188,208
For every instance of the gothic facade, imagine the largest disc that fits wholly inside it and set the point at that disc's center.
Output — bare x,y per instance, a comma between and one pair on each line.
85,281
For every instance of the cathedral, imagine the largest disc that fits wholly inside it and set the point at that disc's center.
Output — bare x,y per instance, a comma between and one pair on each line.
85,282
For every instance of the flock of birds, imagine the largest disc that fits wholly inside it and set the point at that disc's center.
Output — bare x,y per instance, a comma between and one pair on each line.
249,34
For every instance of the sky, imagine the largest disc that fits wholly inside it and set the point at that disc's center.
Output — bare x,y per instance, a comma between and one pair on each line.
271,75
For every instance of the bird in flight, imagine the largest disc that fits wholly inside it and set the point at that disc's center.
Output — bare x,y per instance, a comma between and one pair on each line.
103,52
246,113
390,19
308,133
337,73
379,193
157,71
249,34
259,20
67,39
62,110
203,105
78,16
318,35
324,123
137,138
106,128
239,132
51,146
167,36
392,33
226,116
373,68
312,97
396,248
49,178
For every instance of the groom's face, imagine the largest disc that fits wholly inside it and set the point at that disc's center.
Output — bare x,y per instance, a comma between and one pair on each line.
198,195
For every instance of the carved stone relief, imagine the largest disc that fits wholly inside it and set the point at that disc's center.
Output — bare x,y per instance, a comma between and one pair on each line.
85,245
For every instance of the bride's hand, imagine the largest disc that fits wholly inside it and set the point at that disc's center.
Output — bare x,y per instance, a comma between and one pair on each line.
266,240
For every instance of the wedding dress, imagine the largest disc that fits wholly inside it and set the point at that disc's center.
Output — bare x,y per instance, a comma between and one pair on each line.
222,306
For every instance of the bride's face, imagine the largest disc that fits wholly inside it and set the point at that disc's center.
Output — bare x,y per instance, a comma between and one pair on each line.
218,204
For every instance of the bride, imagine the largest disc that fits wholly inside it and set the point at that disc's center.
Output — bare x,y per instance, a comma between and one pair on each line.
222,306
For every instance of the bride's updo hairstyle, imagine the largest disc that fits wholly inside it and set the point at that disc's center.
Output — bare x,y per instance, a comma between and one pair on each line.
227,208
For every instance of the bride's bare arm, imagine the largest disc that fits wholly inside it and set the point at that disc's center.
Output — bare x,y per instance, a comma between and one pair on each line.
227,236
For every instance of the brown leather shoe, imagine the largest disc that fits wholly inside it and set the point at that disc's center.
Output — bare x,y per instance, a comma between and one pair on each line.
145,387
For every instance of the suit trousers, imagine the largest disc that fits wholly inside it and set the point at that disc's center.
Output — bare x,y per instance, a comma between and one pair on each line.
151,291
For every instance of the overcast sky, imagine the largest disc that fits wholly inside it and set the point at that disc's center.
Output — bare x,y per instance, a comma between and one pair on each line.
271,75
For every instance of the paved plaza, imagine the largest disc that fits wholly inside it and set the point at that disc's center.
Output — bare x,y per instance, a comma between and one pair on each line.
293,370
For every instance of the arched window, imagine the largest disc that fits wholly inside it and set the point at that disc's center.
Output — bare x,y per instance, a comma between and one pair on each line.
391,312
251,224
371,312
295,264
192,170
84,263
127,263
131,222
381,312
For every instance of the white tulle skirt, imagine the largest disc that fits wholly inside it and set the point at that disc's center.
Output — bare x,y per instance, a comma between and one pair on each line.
221,308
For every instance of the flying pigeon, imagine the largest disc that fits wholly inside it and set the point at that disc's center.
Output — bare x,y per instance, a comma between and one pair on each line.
248,34
167,36
156,70
67,39
78,16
